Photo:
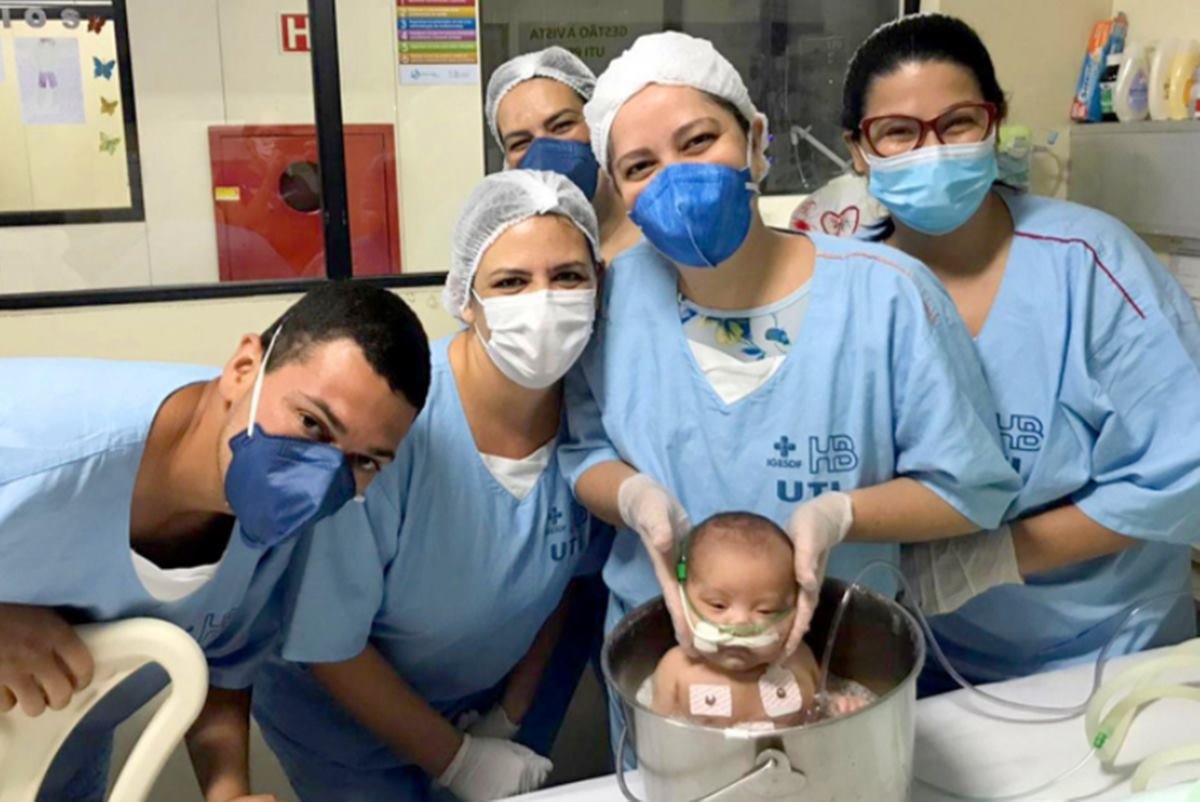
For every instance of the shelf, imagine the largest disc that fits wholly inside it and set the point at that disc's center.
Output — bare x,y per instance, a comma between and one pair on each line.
1147,174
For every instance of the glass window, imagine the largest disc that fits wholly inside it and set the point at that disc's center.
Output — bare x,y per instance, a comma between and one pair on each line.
170,148
67,116
792,54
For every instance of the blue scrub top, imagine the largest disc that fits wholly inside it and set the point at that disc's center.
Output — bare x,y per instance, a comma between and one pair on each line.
72,433
882,381
442,569
1092,352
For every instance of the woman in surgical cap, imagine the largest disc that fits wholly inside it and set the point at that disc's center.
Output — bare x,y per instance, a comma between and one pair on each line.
825,383
1091,350
426,617
534,108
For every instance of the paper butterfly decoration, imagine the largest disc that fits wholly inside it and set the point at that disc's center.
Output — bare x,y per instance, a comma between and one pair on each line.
108,144
104,69
107,106
96,24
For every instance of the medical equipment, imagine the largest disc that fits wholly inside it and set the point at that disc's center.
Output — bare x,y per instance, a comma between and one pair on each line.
869,750
695,213
945,574
535,337
489,768
1105,734
1108,726
937,188
710,638
28,745
797,133
568,157
278,485
815,527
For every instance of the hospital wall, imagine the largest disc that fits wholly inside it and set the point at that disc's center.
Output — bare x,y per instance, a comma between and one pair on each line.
211,61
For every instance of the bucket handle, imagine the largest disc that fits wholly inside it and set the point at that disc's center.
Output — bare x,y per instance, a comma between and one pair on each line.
768,762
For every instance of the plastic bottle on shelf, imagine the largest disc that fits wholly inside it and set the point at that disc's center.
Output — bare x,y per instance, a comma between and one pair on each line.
1130,98
1108,84
1160,77
1183,67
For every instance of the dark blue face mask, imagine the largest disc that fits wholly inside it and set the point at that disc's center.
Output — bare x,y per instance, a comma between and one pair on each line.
566,157
696,214
277,486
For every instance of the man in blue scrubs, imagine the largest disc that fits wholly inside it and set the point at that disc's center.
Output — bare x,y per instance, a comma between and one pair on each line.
120,483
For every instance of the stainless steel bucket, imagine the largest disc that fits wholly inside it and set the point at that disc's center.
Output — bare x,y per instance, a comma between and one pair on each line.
866,755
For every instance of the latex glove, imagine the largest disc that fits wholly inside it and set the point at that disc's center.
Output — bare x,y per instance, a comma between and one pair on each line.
42,661
493,768
493,724
815,527
649,509
943,575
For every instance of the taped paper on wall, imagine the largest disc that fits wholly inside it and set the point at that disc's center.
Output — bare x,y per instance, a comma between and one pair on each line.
50,80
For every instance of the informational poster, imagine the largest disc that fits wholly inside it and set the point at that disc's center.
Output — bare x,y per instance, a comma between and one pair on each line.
50,79
437,41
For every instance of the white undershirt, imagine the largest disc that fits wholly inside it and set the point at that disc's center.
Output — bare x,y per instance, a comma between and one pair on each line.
519,476
171,584
733,379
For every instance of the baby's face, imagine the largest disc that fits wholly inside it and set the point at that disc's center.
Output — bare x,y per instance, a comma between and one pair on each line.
730,585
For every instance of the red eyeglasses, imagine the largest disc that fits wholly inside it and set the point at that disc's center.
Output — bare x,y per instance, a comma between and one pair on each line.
961,124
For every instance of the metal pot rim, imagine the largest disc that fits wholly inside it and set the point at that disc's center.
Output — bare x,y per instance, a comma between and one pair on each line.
918,664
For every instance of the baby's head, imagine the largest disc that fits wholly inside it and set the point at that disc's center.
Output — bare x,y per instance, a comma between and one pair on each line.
737,576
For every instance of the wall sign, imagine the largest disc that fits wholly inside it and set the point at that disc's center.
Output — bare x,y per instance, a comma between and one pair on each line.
437,41
293,33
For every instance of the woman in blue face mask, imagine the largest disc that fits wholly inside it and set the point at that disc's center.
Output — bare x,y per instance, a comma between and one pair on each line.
1090,347
534,109
823,383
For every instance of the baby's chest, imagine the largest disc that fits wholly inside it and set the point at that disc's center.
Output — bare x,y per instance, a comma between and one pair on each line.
714,700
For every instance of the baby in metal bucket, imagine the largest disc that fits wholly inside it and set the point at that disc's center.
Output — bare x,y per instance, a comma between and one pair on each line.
739,594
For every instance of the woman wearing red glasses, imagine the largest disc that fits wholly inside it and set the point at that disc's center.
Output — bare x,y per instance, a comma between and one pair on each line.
1090,347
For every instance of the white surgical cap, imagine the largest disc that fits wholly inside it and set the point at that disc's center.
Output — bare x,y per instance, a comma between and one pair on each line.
670,58
497,204
556,63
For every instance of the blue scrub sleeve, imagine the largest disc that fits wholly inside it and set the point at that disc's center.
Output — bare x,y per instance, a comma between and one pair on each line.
586,444
946,429
1143,400
338,582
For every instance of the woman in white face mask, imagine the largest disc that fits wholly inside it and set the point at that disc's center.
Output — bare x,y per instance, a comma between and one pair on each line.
446,585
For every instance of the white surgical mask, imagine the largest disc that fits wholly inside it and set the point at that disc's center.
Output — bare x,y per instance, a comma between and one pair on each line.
537,336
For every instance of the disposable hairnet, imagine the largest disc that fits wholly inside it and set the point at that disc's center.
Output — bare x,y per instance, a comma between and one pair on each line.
499,202
556,63
671,58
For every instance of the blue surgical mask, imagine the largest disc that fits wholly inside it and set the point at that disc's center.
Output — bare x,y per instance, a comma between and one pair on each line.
696,214
566,157
935,189
277,486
